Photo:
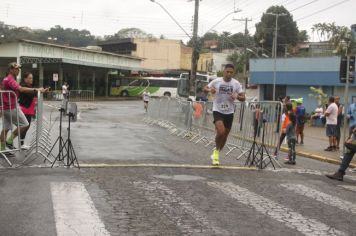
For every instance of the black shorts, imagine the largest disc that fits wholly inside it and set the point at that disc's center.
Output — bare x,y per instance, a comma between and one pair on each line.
145,102
226,118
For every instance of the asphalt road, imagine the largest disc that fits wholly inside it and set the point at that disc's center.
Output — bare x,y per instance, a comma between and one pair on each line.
125,197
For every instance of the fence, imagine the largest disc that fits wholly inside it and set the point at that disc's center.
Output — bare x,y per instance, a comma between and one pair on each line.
254,135
9,119
74,96
41,136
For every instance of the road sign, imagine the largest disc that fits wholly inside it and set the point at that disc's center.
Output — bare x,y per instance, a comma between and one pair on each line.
343,69
55,77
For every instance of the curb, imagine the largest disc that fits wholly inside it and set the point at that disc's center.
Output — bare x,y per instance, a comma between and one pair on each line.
318,157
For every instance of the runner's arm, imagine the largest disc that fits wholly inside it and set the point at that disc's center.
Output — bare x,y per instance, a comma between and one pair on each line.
32,90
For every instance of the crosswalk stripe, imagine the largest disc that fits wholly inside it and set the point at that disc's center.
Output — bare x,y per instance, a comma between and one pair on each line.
322,197
74,211
177,209
285,215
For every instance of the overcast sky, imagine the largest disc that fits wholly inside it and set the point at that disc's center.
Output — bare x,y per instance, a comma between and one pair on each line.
108,16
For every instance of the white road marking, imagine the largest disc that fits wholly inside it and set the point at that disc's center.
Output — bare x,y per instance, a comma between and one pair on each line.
285,215
308,171
321,197
74,211
182,213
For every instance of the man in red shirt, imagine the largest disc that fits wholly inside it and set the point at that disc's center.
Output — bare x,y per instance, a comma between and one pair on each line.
10,108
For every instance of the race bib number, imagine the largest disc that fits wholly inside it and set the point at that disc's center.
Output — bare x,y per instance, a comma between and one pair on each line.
224,107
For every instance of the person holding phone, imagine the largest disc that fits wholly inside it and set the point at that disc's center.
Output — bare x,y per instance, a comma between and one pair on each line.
27,102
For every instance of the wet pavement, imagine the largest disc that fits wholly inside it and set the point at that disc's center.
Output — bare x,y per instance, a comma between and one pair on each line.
153,198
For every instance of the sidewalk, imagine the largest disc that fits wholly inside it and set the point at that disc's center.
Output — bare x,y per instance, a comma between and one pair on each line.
315,141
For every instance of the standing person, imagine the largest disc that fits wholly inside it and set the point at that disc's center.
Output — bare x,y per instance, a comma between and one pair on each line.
291,138
9,106
300,115
146,98
285,123
27,102
339,121
331,124
286,100
348,155
226,91
65,91
351,116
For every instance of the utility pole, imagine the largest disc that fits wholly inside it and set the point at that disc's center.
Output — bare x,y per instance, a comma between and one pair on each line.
245,46
195,51
275,51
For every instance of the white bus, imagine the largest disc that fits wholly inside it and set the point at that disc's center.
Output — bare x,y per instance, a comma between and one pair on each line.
135,86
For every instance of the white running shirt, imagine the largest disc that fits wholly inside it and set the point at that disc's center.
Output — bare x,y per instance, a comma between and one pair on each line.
146,96
223,102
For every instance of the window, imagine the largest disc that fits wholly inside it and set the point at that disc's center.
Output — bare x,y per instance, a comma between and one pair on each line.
163,83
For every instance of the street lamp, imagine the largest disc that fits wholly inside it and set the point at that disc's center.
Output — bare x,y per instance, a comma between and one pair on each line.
235,11
252,51
169,14
275,51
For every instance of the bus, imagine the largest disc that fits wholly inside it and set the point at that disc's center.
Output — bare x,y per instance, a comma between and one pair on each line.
200,82
135,86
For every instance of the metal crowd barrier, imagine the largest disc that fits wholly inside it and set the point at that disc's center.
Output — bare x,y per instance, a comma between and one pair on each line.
41,141
74,96
81,96
7,115
254,134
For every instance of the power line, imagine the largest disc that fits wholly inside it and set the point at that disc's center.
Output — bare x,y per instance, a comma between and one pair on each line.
303,5
322,10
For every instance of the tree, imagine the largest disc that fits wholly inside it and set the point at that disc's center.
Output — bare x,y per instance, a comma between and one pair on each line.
226,40
287,29
129,33
238,60
303,36
340,37
319,95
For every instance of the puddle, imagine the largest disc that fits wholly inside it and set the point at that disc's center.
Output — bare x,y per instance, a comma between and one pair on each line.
180,177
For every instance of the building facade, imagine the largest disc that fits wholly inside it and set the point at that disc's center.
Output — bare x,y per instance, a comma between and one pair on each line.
83,69
157,54
295,76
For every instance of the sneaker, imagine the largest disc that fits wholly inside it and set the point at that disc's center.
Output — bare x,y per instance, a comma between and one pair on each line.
337,176
10,146
25,147
353,170
215,158
329,149
286,158
289,162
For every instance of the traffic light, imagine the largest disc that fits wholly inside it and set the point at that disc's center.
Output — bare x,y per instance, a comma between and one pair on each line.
343,69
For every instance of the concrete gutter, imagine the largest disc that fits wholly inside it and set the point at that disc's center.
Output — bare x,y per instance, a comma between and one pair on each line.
318,157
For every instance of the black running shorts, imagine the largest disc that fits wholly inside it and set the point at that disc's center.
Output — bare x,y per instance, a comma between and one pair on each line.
226,118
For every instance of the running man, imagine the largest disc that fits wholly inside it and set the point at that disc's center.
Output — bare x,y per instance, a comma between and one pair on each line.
146,98
226,91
